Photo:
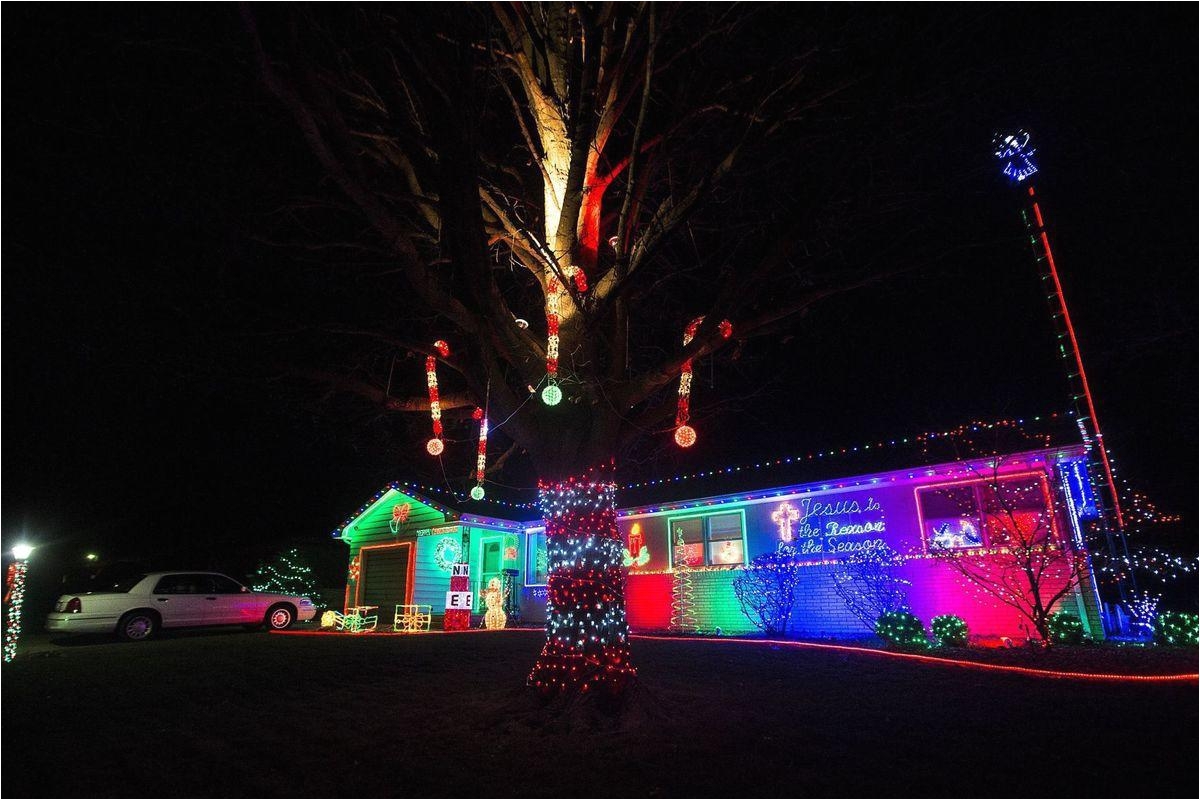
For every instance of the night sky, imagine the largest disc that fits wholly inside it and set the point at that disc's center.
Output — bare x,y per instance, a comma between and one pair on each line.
143,298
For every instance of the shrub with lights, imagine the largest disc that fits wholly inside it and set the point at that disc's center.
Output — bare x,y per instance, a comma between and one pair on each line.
1065,628
867,583
1177,628
901,629
766,589
949,630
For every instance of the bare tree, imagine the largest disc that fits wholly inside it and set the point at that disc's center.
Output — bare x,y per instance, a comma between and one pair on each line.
621,168
1025,562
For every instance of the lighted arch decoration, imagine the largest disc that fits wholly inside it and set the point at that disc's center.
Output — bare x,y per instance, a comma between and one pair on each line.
447,552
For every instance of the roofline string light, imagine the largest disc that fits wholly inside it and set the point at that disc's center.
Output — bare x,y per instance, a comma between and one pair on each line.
429,492
435,446
685,435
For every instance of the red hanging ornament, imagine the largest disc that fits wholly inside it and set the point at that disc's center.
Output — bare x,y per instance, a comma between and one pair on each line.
435,446
685,435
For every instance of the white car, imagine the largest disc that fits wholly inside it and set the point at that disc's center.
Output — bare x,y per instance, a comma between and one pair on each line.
136,608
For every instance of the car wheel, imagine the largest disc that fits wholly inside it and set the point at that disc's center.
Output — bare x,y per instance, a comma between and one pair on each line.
280,618
137,626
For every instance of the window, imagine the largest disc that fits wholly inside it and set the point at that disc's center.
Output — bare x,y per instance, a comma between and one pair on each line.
986,512
182,584
951,516
1015,511
224,585
713,540
537,559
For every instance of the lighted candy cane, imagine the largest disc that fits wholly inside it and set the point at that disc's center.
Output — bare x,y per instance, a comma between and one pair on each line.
480,455
685,435
555,291
435,446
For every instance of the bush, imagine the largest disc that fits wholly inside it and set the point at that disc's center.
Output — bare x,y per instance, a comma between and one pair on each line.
949,630
902,629
1065,628
766,589
1176,628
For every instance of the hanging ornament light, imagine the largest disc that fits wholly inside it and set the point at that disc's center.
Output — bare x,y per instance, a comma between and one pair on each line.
477,492
555,292
685,435
435,446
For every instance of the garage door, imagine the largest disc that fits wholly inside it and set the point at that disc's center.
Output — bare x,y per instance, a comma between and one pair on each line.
385,580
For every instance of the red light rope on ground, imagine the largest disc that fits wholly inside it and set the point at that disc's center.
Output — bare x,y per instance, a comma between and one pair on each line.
953,662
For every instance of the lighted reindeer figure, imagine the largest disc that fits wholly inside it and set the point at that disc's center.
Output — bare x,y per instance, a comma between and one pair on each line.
493,598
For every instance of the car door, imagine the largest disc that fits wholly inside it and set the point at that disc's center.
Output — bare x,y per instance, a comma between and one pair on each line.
234,603
180,599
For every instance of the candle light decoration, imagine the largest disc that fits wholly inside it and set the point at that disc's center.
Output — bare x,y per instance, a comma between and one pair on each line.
685,435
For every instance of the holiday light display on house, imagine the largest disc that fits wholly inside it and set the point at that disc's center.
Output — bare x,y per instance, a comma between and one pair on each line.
679,558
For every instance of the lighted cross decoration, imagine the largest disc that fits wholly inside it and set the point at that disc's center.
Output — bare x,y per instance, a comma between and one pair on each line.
784,516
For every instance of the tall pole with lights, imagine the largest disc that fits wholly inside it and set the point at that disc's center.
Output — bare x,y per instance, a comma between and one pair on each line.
1015,153
14,597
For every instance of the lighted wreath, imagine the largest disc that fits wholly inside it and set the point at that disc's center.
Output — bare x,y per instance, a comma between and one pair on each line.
447,552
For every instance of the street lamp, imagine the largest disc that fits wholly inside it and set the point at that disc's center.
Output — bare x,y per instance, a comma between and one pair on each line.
14,594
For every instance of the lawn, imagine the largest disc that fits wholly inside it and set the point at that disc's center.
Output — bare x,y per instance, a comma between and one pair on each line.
235,714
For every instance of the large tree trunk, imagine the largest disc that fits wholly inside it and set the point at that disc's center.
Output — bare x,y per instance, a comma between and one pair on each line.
587,634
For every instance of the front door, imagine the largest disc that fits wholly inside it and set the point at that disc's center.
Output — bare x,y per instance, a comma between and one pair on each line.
490,566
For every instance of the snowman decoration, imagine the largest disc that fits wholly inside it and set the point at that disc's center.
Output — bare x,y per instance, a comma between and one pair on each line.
493,598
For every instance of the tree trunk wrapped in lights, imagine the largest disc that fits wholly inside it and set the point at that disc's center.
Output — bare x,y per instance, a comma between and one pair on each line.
587,634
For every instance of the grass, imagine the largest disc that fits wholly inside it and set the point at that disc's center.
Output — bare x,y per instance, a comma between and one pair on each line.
237,714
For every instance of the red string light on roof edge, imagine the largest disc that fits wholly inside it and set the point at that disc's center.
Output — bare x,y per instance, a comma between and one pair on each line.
435,446
685,435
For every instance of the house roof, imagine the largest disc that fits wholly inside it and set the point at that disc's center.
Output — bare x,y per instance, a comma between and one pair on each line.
859,464
455,507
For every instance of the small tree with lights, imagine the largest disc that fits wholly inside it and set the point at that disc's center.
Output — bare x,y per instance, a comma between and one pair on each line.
288,573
